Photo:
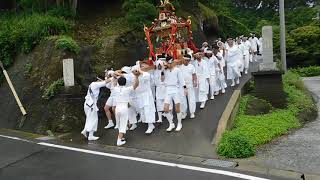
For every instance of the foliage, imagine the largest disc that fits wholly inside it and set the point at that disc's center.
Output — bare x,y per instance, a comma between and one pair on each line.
67,43
234,145
307,71
53,89
230,27
261,129
62,12
20,33
27,69
139,12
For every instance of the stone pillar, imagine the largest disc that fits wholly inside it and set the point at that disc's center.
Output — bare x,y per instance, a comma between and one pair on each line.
268,79
268,64
68,72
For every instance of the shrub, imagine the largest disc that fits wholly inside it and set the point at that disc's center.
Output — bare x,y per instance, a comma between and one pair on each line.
22,32
27,69
235,146
53,89
139,12
307,71
67,43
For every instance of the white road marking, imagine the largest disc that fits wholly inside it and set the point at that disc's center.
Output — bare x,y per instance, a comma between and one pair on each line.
163,163
14,138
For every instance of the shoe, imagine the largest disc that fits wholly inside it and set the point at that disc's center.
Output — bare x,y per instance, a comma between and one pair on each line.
223,91
116,127
93,138
233,84
246,72
179,127
110,125
84,133
133,127
203,104
120,142
216,93
192,116
238,81
171,127
184,115
212,98
150,129
159,121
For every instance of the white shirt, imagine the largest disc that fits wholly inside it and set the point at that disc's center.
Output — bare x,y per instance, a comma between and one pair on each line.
254,42
111,86
233,55
201,68
95,88
188,72
173,79
122,94
247,46
144,83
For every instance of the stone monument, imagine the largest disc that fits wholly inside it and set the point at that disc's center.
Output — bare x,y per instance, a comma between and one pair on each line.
68,72
268,64
268,79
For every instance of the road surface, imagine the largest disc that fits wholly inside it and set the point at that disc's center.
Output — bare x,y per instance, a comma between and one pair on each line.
26,160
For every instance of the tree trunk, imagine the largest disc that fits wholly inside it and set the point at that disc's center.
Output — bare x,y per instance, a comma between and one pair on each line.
74,6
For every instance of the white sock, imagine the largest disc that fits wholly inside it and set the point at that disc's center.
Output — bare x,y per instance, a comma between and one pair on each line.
160,116
91,134
169,117
110,122
179,117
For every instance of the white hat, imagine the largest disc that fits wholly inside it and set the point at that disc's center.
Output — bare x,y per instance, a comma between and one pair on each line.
135,68
126,69
110,72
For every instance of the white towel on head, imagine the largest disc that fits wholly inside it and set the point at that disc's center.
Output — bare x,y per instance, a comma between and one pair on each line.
135,68
126,69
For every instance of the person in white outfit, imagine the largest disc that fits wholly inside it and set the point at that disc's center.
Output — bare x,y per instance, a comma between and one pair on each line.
190,78
173,80
221,79
246,54
122,101
233,71
160,87
145,104
254,47
91,109
241,54
110,102
208,57
203,80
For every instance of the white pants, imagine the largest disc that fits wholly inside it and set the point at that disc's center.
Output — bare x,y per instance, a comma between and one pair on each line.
111,102
246,62
91,119
191,101
122,115
132,115
147,114
175,97
201,91
221,81
214,87
233,72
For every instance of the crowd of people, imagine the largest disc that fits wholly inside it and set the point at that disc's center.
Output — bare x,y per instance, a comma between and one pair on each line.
168,86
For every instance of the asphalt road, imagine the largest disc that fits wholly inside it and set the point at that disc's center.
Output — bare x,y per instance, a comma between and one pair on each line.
32,161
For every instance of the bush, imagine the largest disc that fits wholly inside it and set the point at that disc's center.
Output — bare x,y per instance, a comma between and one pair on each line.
307,71
53,89
21,33
235,146
139,12
67,43
261,129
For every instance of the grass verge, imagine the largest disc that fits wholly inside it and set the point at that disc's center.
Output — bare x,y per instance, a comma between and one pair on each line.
251,131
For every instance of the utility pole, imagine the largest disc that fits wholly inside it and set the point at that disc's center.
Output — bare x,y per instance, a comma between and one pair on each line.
283,36
23,111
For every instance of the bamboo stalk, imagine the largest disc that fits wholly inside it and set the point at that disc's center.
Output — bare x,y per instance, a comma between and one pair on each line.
23,111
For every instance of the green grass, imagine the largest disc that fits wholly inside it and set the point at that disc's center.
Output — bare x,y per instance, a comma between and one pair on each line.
253,131
22,32
67,43
53,89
